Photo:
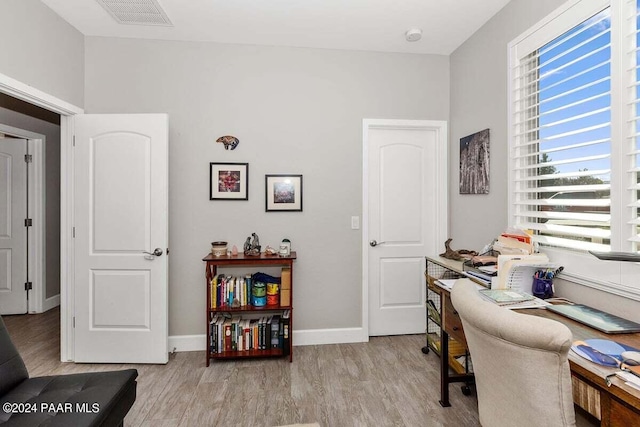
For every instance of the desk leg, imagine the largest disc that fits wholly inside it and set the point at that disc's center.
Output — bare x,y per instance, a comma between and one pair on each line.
444,369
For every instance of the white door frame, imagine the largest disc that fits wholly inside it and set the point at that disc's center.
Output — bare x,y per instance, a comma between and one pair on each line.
24,92
38,302
442,218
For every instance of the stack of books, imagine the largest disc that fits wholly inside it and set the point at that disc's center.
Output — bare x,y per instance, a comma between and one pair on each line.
505,296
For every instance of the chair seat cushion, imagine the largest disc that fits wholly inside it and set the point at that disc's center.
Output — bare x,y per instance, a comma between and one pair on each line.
86,399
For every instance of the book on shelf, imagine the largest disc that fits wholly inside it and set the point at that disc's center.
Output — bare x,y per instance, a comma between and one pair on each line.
505,296
227,335
247,334
275,331
286,333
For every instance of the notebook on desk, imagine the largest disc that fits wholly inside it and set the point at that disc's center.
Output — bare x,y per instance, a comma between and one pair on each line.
600,320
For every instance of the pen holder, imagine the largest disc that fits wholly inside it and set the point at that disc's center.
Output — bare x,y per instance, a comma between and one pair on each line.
542,288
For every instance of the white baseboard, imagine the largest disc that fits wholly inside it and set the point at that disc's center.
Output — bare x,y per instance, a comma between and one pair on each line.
187,343
181,343
329,336
50,303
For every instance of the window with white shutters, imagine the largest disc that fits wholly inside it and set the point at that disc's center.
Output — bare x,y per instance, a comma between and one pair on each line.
574,139
562,138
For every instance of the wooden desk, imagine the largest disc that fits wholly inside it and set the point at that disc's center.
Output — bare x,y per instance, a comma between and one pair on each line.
618,405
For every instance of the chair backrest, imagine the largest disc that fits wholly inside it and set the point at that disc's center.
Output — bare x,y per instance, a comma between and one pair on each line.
520,362
12,368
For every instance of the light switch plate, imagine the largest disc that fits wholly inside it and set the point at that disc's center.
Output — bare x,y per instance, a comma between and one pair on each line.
355,222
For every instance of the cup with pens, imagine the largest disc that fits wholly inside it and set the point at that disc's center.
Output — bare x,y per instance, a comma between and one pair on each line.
543,283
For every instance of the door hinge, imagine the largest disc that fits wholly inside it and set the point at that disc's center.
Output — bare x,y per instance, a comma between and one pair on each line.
28,158
74,322
28,286
73,230
74,140
28,222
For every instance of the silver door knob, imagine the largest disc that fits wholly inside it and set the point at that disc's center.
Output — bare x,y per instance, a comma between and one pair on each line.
373,243
156,252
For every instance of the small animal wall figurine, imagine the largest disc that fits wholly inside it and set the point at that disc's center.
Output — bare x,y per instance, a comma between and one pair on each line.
229,141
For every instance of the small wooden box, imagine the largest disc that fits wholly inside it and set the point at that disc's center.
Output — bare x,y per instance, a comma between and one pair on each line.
285,279
285,297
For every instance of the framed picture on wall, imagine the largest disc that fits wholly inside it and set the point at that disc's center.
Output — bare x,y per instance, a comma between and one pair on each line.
474,163
228,181
283,193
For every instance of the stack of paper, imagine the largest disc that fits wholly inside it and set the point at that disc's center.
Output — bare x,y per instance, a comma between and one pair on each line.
510,244
516,272
629,379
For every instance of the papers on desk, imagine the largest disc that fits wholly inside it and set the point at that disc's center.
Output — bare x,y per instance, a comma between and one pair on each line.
629,379
516,272
448,284
534,303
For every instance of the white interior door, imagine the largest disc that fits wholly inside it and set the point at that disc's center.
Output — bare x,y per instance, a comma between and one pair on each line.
120,219
406,216
13,233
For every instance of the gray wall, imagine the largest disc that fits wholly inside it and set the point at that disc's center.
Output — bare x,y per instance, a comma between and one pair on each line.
295,111
479,77
42,50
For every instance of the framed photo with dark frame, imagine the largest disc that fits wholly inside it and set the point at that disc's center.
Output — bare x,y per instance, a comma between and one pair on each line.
283,193
228,181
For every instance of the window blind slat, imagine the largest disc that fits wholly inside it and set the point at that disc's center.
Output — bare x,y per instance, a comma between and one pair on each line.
560,229
571,244
568,188
601,218
576,174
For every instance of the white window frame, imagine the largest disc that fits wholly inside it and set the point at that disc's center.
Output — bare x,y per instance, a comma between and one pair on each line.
618,278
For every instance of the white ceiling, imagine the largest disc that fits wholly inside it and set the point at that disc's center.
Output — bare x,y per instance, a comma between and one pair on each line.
371,25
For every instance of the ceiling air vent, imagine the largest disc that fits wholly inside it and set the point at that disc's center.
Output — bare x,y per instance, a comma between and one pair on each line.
136,12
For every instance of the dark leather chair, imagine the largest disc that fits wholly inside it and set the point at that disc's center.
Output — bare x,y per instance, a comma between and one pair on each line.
87,399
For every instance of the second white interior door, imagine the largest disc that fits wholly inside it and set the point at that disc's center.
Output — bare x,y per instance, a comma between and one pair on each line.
407,211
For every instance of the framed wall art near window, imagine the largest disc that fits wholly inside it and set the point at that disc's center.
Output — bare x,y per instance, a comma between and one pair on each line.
228,181
474,163
283,193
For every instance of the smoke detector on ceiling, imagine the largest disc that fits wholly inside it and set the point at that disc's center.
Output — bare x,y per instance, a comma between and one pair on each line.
413,34
136,12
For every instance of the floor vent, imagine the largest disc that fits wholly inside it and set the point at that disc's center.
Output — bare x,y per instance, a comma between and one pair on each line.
136,12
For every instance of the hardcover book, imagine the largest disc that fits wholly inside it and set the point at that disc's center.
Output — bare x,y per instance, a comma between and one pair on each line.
505,296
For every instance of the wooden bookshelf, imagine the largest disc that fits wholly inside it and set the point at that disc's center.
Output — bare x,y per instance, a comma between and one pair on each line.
212,264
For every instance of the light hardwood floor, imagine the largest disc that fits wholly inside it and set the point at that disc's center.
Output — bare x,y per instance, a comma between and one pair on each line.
386,382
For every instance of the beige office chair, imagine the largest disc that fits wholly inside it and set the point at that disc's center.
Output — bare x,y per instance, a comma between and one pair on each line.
520,363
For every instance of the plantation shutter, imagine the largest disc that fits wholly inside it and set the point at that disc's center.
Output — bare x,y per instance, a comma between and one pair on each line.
561,138
632,43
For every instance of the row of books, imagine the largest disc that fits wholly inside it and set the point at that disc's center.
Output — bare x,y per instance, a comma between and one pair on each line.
238,333
228,291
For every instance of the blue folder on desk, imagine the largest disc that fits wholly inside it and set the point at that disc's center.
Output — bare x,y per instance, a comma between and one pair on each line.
602,352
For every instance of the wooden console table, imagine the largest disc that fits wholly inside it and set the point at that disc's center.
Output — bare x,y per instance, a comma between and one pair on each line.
617,405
